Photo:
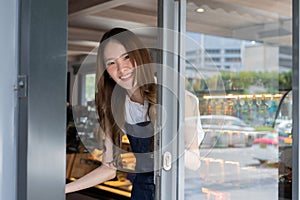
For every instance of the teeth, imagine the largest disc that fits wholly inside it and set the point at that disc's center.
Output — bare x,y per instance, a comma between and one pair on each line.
126,76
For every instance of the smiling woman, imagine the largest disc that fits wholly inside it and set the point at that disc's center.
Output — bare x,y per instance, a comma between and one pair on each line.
125,99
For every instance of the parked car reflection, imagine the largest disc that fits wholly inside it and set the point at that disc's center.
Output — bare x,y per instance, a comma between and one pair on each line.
284,128
224,122
226,131
267,148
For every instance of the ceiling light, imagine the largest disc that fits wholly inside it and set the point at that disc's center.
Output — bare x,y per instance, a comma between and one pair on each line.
200,10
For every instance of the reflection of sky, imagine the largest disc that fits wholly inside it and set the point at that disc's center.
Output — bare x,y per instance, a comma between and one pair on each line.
194,41
220,42
191,39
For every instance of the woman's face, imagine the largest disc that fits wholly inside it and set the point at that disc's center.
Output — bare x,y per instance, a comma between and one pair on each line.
118,65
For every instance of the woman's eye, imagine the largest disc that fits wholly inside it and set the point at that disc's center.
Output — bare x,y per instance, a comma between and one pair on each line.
110,63
126,57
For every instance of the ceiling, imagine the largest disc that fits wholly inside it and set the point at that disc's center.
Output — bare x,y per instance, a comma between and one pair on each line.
267,21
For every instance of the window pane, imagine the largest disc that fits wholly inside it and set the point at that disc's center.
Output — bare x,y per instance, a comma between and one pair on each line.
90,87
240,68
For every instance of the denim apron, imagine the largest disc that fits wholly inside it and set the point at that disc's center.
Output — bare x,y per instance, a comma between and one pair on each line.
140,137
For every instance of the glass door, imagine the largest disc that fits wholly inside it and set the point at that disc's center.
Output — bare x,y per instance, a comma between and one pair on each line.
222,68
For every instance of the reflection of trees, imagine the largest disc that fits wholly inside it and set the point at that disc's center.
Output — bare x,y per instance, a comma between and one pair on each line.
285,80
270,82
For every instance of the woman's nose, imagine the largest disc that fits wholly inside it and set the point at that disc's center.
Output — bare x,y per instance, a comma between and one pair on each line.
121,65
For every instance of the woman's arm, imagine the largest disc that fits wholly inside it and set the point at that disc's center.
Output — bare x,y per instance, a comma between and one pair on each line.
99,175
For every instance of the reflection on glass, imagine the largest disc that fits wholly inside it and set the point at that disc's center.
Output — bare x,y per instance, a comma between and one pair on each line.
89,87
246,47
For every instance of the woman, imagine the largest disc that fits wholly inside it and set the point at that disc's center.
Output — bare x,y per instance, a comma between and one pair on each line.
125,99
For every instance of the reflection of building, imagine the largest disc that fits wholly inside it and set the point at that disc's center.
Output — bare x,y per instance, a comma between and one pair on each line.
267,58
258,58
214,53
285,58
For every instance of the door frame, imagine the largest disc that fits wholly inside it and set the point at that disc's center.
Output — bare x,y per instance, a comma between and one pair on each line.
296,101
171,25
42,100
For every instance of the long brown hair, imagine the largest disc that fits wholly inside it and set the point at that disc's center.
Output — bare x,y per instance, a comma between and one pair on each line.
110,97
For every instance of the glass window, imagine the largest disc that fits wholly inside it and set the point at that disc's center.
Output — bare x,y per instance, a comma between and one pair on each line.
232,51
233,59
212,59
85,89
246,150
89,86
213,51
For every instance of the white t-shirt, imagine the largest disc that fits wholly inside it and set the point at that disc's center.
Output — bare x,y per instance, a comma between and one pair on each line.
136,112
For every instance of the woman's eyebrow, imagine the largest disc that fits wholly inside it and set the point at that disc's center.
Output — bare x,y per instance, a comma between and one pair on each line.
115,58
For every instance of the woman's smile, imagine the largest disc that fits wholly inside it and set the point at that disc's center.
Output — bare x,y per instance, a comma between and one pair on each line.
118,64
127,76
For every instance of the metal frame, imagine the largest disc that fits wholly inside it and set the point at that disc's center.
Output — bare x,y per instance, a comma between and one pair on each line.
171,89
42,111
24,33
296,101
